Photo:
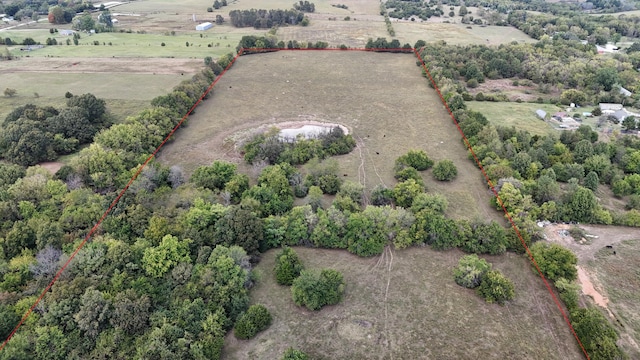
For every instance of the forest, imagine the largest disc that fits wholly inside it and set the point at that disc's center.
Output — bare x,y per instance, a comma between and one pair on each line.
168,273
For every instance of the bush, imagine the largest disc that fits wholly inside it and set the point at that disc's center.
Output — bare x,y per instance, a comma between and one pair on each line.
495,287
256,319
294,354
596,333
568,293
445,170
417,159
470,271
314,289
288,266
555,261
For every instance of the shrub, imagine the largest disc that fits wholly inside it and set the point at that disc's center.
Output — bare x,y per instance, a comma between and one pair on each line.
407,173
495,287
470,271
445,170
555,261
256,319
435,202
294,354
417,159
314,289
568,293
472,83
596,333
288,266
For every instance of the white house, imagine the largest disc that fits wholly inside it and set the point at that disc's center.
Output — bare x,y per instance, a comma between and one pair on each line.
66,32
204,26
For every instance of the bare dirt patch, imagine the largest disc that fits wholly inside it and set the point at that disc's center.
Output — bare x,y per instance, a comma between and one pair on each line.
526,93
102,65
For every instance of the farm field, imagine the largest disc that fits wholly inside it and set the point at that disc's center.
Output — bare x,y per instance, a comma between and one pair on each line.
405,305
344,87
520,115
126,93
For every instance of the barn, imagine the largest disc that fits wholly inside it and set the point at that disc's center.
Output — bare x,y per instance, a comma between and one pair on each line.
204,26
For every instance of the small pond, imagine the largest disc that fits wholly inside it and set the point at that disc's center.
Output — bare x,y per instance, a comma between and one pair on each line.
308,131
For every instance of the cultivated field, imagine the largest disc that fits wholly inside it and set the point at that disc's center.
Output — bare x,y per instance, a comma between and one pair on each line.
520,115
380,97
406,305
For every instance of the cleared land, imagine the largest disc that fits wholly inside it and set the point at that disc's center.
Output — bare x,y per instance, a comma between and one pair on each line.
380,97
406,305
520,115
613,272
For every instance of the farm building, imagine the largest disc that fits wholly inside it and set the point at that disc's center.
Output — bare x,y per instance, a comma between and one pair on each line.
66,32
541,114
608,108
204,26
625,92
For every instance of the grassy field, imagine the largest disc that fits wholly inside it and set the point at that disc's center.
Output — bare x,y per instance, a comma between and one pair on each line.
125,94
621,279
381,98
520,115
407,306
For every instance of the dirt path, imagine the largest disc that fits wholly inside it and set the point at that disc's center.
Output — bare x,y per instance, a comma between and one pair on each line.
599,236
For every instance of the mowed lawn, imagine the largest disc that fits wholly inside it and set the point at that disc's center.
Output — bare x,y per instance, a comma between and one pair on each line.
619,275
381,98
520,115
406,305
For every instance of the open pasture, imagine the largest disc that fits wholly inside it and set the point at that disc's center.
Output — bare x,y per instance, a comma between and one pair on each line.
406,305
520,115
380,97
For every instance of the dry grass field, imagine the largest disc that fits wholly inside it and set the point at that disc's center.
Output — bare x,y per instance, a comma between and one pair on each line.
405,305
618,273
381,98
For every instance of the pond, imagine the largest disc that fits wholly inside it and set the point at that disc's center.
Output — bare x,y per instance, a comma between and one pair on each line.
308,131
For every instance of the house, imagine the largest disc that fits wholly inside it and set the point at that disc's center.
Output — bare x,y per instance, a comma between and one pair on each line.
620,115
204,26
587,114
625,92
608,108
66,32
541,114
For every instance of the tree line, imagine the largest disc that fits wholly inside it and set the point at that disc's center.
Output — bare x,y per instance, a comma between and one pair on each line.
265,19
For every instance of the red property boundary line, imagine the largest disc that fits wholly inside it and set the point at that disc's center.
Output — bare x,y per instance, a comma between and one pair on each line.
493,189
208,90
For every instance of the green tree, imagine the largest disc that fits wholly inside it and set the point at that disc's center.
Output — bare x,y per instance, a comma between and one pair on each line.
445,170
495,287
405,192
214,177
84,22
254,320
95,312
294,354
416,159
9,320
240,226
591,181
314,289
51,343
629,123
470,271
434,202
569,293
367,232
130,312
555,261
606,77
287,266
158,260
596,333
581,206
